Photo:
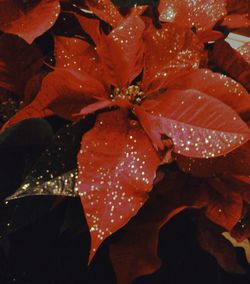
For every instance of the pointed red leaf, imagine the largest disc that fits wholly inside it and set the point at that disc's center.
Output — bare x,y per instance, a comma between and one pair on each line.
236,21
203,14
106,11
78,55
116,172
243,179
238,6
32,88
217,85
225,206
239,184
138,9
102,104
91,26
169,50
231,62
68,50
122,52
135,252
241,231
27,20
62,93
244,50
18,63
210,35
200,126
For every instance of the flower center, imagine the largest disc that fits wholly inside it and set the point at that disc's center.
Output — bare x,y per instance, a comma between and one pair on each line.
132,94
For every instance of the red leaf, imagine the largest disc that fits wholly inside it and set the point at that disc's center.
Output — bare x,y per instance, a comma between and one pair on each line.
168,51
32,88
202,14
138,9
238,6
217,85
116,172
63,93
241,231
211,240
68,50
236,21
199,125
235,162
102,104
121,52
18,63
243,179
91,26
231,62
106,11
28,20
135,252
210,35
225,206
78,55
239,184
244,50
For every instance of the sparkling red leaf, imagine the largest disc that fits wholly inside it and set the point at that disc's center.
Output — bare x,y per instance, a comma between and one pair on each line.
121,52
231,62
167,54
200,126
78,55
235,162
236,21
244,50
115,174
217,85
106,11
201,14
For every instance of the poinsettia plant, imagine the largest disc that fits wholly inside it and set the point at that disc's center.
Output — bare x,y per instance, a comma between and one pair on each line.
168,132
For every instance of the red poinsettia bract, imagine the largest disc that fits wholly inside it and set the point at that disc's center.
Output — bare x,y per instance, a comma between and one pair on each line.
205,16
234,62
201,14
28,19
